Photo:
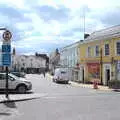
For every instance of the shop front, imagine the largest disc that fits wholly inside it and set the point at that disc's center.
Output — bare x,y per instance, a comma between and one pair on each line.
93,72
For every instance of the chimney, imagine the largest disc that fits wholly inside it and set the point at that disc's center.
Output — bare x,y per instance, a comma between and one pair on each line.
86,35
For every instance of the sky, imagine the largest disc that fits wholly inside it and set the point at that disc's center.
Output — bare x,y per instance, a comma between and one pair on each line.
44,25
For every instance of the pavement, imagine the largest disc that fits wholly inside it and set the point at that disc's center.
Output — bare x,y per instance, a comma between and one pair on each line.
100,87
76,84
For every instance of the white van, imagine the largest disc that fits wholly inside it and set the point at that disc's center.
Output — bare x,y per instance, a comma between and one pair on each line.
18,84
61,75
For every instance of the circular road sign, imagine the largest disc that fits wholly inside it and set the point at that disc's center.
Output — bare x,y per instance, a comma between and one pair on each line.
7,35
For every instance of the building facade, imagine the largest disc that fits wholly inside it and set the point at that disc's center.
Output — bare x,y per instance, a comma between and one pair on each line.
100,56
69,58
29,64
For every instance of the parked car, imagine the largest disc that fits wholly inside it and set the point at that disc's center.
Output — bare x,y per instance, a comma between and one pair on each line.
15,83
19,74
61,75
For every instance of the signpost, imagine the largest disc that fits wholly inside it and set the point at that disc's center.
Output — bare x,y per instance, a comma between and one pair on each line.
6,54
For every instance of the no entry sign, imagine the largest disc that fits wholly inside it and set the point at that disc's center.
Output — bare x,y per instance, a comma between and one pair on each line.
7,35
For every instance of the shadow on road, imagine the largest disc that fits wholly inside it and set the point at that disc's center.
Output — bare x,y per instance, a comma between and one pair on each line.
10,104
13,92
116,90
7,109
4,114
63,83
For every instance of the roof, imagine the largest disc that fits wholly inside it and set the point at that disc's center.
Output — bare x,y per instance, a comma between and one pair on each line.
71,45
107,33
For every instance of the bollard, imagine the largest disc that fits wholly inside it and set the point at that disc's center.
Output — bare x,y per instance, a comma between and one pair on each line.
95,84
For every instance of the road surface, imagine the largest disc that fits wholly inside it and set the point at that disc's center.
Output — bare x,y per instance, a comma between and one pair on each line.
64,102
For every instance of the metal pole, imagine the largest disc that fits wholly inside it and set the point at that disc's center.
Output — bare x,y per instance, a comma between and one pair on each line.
7,82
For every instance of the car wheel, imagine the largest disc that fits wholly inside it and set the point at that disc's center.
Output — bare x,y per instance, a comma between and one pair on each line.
21,89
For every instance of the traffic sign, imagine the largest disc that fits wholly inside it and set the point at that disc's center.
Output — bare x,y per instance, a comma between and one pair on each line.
6,59
7,35
6,48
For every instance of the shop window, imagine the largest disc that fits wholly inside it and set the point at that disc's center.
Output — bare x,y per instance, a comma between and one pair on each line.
107,52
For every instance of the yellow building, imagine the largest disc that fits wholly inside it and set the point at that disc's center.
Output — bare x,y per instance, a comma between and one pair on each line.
100,56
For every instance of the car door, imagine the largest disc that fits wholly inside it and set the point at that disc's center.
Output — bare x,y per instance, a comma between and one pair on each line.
12,82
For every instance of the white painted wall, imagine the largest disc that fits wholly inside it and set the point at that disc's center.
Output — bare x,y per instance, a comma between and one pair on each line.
30,61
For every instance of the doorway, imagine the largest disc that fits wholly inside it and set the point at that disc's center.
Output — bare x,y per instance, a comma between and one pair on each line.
83,75
107,76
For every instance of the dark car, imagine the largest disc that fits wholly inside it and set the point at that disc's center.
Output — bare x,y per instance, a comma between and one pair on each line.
19,74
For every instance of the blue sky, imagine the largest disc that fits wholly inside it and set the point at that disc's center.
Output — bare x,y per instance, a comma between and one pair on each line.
44,25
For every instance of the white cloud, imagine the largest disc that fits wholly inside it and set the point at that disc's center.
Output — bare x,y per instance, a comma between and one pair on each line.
37,32
16,3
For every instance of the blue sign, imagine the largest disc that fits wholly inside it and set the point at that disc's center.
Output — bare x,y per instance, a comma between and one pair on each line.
6,48
6,59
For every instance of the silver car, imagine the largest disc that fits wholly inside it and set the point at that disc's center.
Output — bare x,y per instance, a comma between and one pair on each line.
18,84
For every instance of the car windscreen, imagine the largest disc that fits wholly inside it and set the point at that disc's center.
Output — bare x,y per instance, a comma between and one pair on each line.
14,76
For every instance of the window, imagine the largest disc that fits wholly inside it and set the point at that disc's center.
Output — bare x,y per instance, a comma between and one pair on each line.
96,50
10,78
89,51
118,48
106,49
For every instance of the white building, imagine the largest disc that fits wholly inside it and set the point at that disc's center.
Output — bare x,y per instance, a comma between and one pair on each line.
69,58
29,64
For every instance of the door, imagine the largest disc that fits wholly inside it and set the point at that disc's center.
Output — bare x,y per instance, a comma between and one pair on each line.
83,75
107,76
75,75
